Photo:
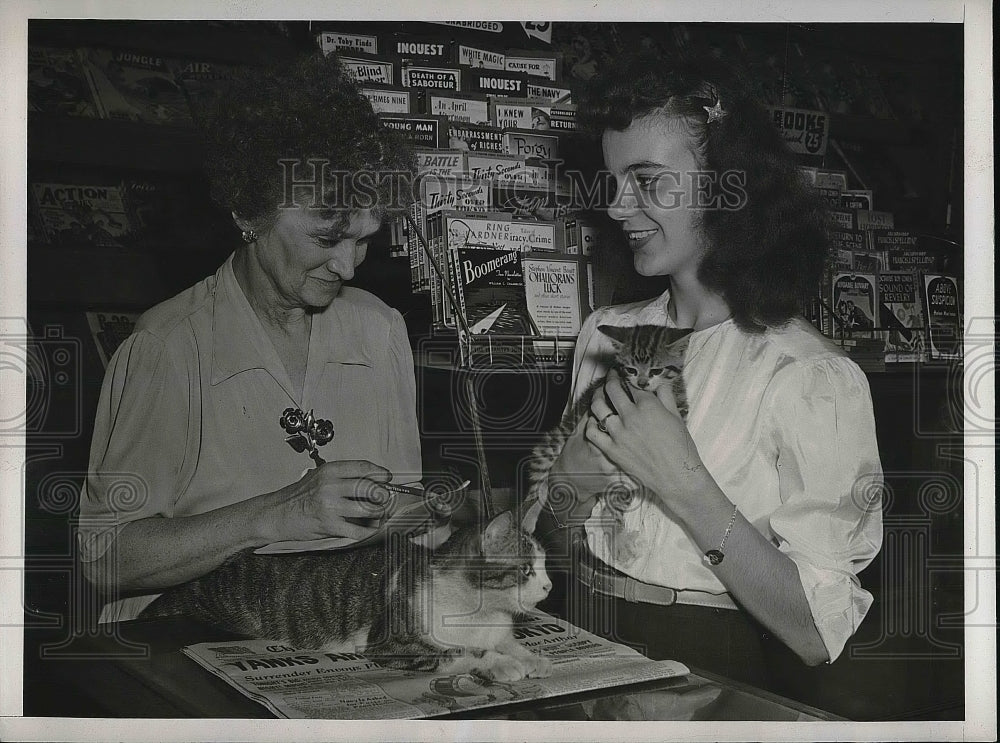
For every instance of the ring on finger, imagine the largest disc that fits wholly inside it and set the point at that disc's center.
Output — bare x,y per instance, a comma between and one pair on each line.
600,424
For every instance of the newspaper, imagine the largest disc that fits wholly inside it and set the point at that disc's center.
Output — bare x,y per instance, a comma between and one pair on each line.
295,683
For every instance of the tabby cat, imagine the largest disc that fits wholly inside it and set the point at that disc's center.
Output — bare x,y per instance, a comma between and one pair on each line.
646,356
448,610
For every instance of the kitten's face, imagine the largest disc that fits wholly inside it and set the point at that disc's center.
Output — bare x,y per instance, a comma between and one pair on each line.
515,563
648,355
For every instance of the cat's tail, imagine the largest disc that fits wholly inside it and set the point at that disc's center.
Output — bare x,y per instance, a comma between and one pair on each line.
542,458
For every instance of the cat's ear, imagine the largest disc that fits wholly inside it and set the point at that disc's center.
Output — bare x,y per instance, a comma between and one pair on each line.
496,531
616,333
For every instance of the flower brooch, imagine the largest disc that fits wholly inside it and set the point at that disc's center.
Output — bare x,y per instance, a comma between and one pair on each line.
306,432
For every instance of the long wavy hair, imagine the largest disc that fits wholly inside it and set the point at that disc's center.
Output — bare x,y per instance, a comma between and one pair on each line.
298,110
767,257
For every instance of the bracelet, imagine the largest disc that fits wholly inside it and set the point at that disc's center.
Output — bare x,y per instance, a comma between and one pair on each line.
715,557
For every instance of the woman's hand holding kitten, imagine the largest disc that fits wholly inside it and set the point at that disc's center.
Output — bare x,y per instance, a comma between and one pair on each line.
581,470
648,440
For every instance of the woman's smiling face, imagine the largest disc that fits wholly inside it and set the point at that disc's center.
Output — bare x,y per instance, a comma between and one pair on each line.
307,255
654,166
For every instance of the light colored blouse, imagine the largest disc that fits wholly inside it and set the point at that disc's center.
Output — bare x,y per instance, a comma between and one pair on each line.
188,419
783,421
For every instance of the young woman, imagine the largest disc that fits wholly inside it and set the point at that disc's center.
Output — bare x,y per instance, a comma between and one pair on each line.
757,513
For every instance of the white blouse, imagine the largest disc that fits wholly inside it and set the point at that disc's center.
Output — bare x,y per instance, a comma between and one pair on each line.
783,421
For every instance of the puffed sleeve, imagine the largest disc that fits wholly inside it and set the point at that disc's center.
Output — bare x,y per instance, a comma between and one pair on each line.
399,386
141,434
830,479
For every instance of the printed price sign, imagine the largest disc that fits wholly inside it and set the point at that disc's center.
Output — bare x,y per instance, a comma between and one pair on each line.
805,132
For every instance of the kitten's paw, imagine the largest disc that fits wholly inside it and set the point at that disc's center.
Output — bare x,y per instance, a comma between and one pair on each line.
539,667
504,668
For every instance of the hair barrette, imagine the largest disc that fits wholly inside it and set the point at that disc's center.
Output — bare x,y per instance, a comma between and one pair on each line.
716,112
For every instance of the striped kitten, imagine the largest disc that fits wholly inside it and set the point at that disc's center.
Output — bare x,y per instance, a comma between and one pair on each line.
450,610
646,356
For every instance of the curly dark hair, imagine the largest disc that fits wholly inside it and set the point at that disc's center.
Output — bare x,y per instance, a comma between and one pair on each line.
767,257
302,109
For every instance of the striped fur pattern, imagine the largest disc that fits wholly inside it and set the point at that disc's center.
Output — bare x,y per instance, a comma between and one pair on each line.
646,357
450,610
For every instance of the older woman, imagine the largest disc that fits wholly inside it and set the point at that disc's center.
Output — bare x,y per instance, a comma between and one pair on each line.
757,513
189,463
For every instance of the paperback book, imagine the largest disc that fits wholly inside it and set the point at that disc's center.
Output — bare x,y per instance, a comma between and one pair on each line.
422,130
338,41
490,288
901,316
943,315
531,145
476,57
386,99
552,288
855,304
459,108
370,69
476,138
431,77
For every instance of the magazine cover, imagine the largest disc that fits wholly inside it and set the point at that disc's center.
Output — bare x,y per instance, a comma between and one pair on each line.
135,86
109,330
552,290
943,315
202,80
901,316
76,214
56,83
854,302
